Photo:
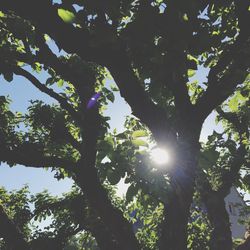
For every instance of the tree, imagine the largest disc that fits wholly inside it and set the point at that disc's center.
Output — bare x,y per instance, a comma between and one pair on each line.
72,223
151,49
221,161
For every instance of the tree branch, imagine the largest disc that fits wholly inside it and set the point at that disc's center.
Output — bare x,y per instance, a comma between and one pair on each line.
234,60
11,234
87,178
76,41
62,101
129,85
86,219
175,65
81,80
142,106
30,156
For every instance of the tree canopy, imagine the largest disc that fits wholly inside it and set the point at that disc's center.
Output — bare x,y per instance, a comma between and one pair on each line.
154,51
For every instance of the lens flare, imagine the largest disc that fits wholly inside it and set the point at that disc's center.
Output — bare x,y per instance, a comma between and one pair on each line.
160,156
92,101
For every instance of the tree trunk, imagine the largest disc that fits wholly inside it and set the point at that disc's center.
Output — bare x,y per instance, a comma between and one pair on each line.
221,237
177,210
174,231
87,179
104,239
113,218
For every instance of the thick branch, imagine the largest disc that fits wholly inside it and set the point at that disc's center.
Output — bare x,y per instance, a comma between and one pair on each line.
29,156
11,234
175,64
219,91
133,92
87,178
128,83
78,41
44,15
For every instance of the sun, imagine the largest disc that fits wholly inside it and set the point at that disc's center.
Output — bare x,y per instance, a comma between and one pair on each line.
160,156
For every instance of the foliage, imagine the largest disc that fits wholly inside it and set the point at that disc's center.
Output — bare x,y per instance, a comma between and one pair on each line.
64,216
154,51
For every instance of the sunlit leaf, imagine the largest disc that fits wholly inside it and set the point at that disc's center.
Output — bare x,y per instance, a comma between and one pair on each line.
66,16
139,142
235,101
191,72
139,133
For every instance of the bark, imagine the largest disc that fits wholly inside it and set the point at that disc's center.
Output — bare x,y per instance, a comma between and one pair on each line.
138,99
221,237
47,243
111,216
176,211
174,230
103,237
10,233
87,178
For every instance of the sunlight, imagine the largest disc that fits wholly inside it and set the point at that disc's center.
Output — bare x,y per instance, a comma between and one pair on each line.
160,156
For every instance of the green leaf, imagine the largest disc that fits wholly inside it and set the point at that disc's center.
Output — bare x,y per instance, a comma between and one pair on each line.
139,142
37,67
111,97
66,16
185,17
114,88
208,158
47,38
131,192
235,101
191,72
60,83
113,176
139,133
192,58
